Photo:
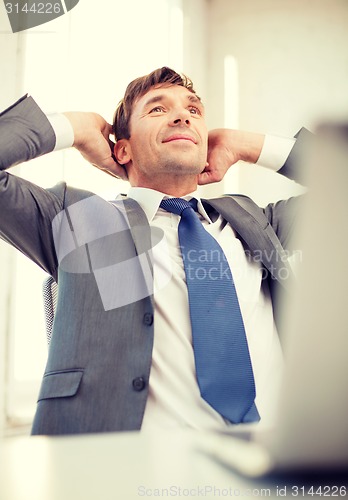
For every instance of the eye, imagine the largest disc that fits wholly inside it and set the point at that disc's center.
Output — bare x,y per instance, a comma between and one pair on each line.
157,109
194,110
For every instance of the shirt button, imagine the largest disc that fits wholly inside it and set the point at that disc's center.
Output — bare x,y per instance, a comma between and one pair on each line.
148,319
139,384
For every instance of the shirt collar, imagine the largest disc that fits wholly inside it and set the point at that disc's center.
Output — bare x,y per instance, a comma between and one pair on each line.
150,200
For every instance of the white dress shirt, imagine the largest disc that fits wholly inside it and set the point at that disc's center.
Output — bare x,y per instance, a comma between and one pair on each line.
174,399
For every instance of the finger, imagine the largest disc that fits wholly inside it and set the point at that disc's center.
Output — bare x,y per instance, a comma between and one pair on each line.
106,171
204,178
208,176
113,174
111,144
114,169
107,130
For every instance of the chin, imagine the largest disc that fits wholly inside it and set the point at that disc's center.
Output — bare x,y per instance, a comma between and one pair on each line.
183,167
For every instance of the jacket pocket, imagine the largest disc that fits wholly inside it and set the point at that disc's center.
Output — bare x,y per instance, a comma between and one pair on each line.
60,384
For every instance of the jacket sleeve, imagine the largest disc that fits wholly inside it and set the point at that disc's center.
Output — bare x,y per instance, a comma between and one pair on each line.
27,210
25,133
294,167
283,215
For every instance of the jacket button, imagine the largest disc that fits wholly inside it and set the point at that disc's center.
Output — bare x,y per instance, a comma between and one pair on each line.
139,384
148,319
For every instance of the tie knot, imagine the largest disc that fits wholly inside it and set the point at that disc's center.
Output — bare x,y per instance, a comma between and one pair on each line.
177,205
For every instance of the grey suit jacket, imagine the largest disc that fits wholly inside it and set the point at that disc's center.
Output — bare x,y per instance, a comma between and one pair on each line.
99,361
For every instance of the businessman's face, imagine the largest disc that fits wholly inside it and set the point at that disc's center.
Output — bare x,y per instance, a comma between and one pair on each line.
168,136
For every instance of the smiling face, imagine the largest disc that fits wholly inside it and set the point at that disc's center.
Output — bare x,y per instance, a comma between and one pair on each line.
168,139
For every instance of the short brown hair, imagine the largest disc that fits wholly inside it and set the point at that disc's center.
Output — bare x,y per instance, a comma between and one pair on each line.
136,89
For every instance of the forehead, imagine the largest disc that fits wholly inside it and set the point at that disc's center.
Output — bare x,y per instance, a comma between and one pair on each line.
166,92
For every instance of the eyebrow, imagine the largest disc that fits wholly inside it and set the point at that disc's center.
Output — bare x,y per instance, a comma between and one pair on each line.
162,97
195,99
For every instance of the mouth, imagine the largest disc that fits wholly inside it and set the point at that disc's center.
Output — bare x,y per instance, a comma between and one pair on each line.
180,137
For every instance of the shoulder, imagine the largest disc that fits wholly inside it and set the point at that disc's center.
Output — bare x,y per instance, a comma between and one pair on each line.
233,202
68,195
242,200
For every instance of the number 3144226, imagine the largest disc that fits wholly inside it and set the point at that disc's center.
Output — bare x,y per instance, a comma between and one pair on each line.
34,8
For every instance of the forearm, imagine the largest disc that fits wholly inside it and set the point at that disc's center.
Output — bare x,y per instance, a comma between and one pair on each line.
248,145
25,133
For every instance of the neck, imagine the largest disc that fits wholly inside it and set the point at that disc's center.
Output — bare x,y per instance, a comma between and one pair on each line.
177,186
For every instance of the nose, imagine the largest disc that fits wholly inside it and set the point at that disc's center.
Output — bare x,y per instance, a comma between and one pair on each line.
180,117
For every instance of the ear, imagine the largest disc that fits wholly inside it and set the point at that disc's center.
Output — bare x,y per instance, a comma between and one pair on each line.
122,151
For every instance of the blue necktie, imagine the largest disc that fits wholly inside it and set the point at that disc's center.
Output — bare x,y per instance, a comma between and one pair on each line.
223,366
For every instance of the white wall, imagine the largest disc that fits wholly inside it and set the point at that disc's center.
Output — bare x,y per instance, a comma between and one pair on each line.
291,70
10,70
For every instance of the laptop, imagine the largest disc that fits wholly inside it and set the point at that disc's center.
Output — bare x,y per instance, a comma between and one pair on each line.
311,429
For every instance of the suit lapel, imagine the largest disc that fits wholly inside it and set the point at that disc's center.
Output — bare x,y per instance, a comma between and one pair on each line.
136,221
246,218
143,238
139,225
254,228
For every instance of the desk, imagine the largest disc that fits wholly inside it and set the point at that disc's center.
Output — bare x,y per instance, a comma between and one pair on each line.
123,466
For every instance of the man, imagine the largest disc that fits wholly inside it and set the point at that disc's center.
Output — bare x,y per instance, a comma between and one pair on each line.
121,355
